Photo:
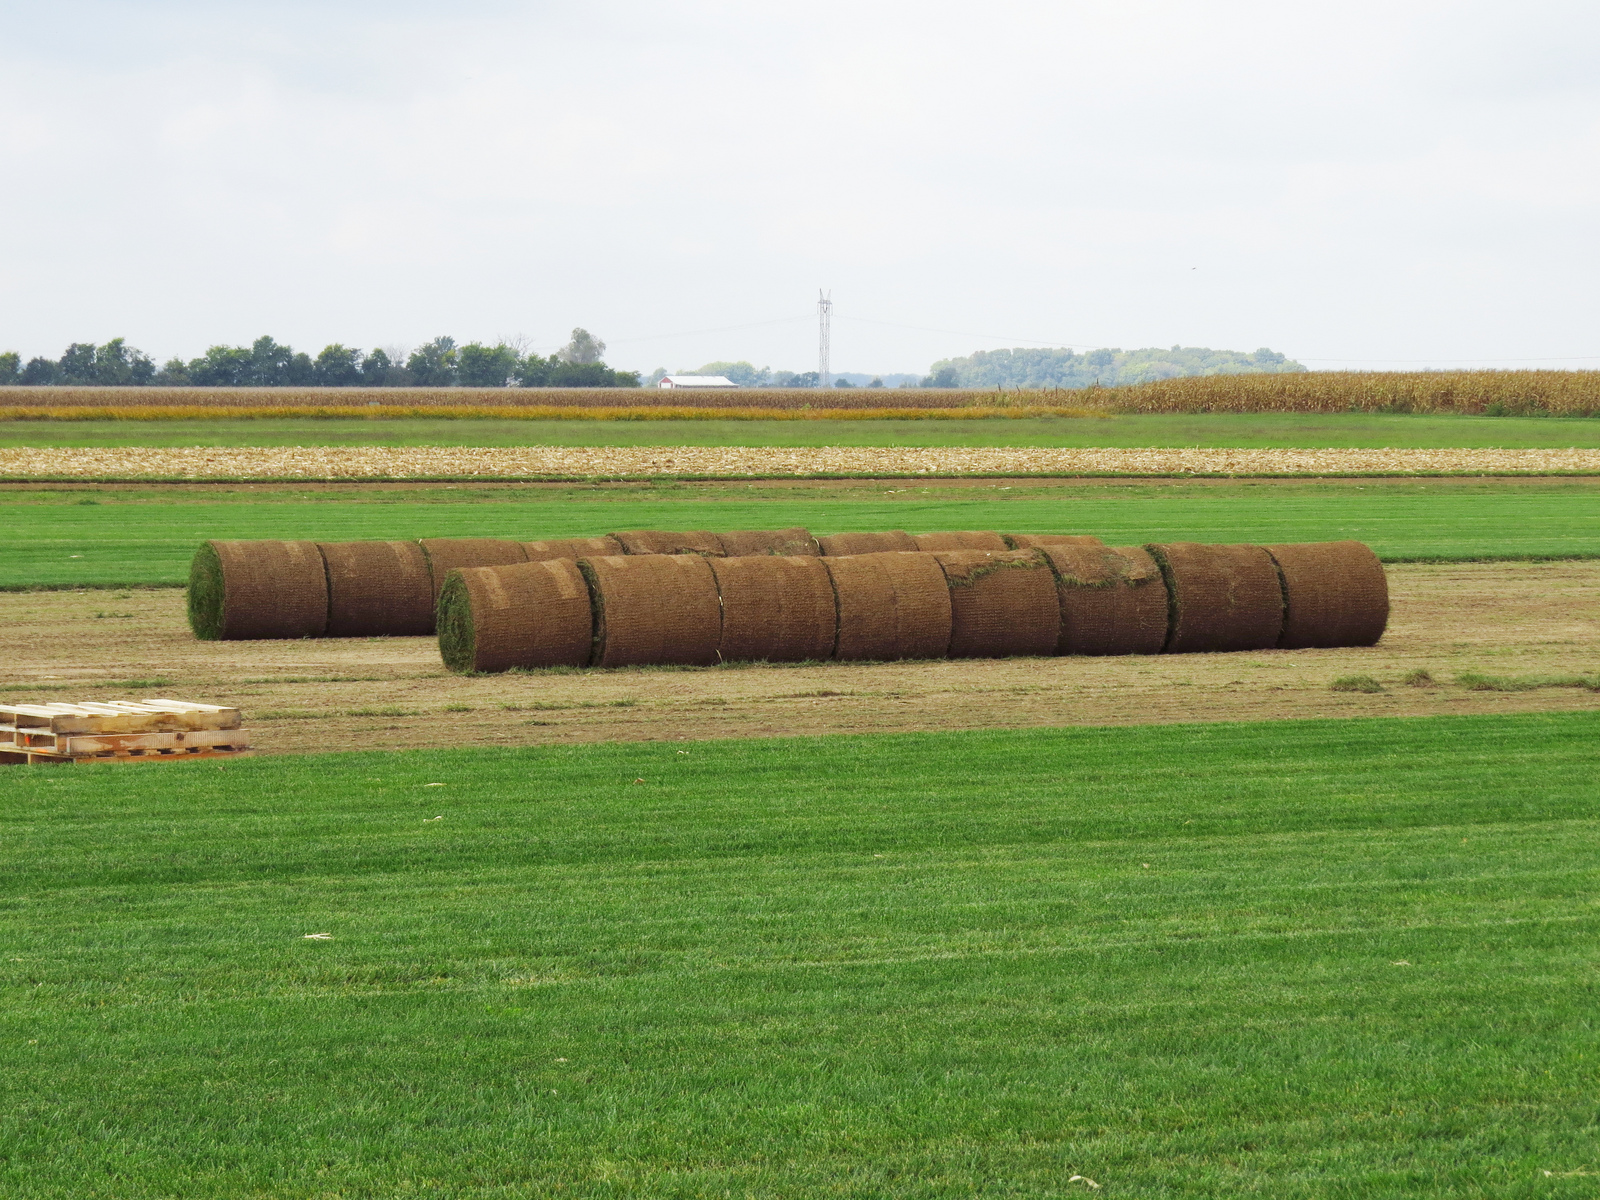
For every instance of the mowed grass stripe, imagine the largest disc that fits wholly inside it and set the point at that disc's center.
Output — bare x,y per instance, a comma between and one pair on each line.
1246,430
910,965
133,536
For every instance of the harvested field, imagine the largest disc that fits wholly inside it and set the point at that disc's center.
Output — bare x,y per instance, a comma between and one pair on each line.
587,462
1495,619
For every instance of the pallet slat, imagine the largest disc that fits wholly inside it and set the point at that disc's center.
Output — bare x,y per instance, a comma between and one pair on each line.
151,730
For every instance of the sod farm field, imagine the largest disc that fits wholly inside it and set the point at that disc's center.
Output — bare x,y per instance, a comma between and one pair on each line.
1299,959
137,535
1293,430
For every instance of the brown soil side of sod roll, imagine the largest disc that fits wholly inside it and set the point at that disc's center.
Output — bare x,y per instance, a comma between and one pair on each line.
1334,594
1038,541
378,589
653,609
271,589
775,608
959,541
573,548
670,541
865,543
1002,603
891,605
1219,597
742,543
447,554
1113,599
530,614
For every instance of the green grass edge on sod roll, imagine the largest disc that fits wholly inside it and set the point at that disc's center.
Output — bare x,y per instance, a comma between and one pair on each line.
145,535
1289,959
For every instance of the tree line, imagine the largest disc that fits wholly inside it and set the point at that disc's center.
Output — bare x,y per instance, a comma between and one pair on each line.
1038,368
269,363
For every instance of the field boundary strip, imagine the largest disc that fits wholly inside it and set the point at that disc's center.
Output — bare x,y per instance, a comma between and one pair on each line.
580,464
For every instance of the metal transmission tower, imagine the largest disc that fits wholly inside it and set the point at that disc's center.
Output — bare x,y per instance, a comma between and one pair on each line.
824,321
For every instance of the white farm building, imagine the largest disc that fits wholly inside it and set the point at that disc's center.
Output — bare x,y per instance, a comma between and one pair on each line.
697,381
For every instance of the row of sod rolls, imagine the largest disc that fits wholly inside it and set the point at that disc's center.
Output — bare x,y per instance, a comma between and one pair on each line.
1067,595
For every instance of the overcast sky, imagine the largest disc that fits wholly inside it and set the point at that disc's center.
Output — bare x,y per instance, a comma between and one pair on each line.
1377,184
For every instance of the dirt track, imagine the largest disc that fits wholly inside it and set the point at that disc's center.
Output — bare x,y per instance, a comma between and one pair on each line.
583,462
1492,618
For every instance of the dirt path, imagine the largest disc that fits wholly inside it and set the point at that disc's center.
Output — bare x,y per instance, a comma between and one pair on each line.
581,462
1492,618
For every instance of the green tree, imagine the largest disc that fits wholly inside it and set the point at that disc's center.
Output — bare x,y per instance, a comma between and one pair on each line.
433,364
222,366
337,366
10,368
742,373
174,373
40,372
486,366
76,366
584,348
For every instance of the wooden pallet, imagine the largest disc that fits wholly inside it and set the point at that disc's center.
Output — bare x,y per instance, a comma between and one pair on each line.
154,730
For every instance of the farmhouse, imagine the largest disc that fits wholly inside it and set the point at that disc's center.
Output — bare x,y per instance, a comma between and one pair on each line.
697,381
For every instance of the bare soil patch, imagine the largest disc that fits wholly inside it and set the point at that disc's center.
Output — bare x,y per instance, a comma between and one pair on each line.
1497,619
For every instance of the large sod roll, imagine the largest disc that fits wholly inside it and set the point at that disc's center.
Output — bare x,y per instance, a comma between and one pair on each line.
667,541
446,554
1334,594
1113,600
1219,597
744,542
1038,541
378,589
1002,602
528,614
653,609
573,548
894,604
262,589
776,608
960,541
865,543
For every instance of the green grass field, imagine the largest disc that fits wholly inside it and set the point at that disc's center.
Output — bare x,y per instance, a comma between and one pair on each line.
132,536
1214,429
1298,959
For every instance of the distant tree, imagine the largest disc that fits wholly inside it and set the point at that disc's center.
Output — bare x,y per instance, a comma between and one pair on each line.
76,367
942,377
40,371
433,364
337,366
877,381
597,374
842,383
534,370
486,366
1027,367
382,369
789,379
10,368
584,348
655,377
174,373
222,366
272,364
742,373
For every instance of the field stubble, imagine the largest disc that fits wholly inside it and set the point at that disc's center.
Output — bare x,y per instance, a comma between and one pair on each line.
1493,619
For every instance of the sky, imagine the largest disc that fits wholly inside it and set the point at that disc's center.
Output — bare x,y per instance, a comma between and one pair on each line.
1383,185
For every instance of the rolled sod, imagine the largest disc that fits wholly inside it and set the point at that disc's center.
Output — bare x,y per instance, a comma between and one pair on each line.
865,543
1334,594
1038,541
667,541
528,614
1002,603
960,541
1219,597
573,548
447,554
257,589
892,605
775,608
1113,599
653,609
378,589
744,542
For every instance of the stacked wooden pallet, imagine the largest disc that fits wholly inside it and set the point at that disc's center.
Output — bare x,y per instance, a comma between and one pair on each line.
122,731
